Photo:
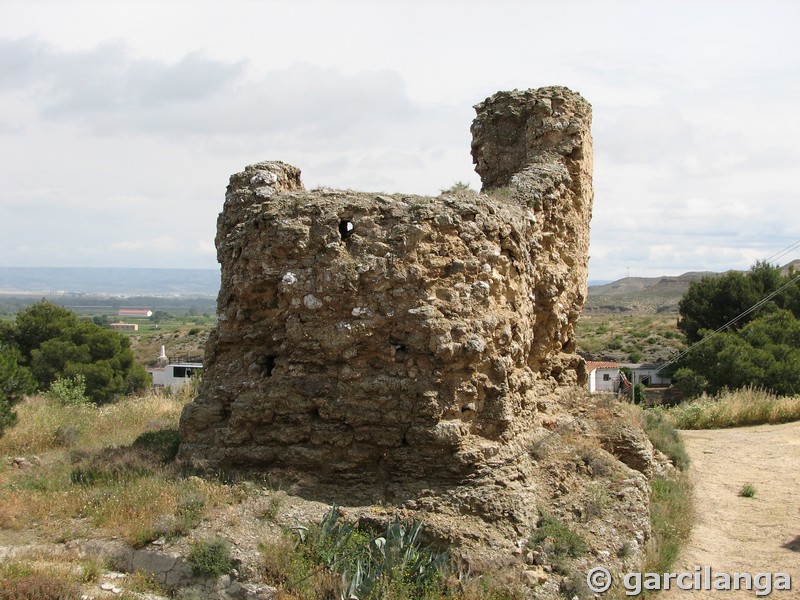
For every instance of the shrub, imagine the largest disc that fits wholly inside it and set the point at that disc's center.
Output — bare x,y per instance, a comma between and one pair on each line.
69,391
210,557
164,443
562,540
574,586
458,186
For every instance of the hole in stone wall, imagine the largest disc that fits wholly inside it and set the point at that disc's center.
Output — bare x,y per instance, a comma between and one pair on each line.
269,365
346,228
399,352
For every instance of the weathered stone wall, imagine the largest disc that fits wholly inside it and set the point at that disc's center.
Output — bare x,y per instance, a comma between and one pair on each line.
394,337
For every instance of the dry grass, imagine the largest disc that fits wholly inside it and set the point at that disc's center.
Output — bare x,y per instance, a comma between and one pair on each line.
68,566
44,424
97,482
749,406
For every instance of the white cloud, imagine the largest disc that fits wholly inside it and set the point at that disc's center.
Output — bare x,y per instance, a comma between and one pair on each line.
156,104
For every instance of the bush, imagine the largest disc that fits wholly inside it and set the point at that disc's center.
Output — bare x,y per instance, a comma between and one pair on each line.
639,393
111,465
210,557
69,391
164,443
562,541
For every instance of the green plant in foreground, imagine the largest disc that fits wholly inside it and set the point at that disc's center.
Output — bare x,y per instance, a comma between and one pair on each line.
210,557
392,565
748,491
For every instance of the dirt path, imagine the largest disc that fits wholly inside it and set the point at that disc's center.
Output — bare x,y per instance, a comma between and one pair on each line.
735,534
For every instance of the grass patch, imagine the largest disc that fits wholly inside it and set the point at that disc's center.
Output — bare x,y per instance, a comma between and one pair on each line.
664,437
671,517
45,424
48,573
748,406
39,587
113,476
748,491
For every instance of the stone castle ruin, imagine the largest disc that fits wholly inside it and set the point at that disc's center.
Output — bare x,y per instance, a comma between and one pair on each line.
383,338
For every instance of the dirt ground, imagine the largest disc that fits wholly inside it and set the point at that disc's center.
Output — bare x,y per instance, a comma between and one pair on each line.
744,535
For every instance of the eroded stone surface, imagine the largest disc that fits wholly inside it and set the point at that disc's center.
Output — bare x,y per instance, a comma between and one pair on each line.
393,337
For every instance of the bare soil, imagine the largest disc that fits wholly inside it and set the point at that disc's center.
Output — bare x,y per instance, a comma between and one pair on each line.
737,534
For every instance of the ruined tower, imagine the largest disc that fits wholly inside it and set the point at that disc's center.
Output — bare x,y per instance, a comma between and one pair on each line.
397,337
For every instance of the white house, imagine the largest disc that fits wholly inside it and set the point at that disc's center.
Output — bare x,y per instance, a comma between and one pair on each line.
174,376
603,376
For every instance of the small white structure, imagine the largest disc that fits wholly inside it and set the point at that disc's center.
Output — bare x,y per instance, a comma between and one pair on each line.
175,376
603,376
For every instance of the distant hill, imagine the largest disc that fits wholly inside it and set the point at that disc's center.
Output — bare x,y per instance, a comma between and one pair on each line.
109,281
648,294
660,285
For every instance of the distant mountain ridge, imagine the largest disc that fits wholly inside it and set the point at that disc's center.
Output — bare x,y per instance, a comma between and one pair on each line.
649,294
632,285
109,281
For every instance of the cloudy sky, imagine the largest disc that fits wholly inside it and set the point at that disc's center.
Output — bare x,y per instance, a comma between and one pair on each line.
121,121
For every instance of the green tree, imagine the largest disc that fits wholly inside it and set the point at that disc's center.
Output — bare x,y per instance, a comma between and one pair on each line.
56,344
689,383
15,382
714,301
764,353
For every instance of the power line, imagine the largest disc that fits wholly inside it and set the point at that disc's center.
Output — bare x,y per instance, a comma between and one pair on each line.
783,252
